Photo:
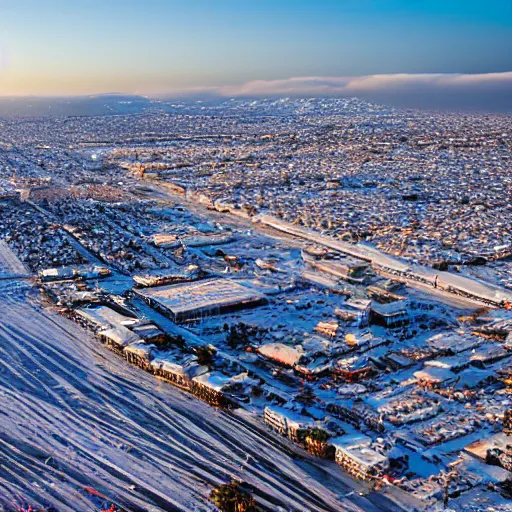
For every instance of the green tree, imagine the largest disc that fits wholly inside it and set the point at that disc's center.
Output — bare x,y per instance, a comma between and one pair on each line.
205,355
238,335
318,434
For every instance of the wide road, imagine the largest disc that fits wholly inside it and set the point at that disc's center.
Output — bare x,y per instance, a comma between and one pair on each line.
74,415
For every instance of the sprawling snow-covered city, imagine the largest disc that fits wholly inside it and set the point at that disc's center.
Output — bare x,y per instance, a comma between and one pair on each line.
308,300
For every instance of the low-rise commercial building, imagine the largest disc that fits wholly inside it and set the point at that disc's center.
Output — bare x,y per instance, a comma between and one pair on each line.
355,455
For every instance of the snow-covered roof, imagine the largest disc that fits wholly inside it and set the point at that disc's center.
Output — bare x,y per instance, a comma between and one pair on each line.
214,380
147,330
390,308
474,287
169,366
194,370
292,418
453,341
358,448
450,363
243,379
205,295
489,352
282,353
104,315
140,349
315,344
434,375
50,272
479,448
351,441
120,335
357,303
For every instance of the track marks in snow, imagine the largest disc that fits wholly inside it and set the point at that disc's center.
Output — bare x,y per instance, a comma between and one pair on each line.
74,415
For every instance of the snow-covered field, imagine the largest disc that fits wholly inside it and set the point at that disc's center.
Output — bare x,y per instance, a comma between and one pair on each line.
10,265
73,415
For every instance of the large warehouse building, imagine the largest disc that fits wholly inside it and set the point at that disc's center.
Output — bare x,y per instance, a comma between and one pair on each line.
194,300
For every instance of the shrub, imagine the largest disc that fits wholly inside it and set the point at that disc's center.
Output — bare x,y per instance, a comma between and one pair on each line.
232,498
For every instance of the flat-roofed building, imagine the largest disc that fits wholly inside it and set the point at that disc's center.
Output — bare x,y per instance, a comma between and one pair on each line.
496,450
139,354
210,388
74,273
356,311
349,269
355,455
487,355
192,301
451,343
150,333
431,376
103,317
288,423
117,338
390,314
280,353
171,372
161,277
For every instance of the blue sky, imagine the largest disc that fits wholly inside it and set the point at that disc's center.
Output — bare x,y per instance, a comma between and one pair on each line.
155,46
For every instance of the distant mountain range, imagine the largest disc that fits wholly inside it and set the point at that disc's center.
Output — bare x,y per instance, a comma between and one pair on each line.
119,104
105,104
122,104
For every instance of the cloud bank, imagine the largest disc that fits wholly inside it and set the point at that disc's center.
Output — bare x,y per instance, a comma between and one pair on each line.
488,91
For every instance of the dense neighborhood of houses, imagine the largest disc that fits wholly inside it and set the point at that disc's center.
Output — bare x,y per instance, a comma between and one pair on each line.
331,295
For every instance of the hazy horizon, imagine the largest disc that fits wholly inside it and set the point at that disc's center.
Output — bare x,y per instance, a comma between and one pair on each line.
421,53
159,47
487,92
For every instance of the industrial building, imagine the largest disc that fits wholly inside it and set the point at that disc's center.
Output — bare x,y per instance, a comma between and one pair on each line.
193,301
